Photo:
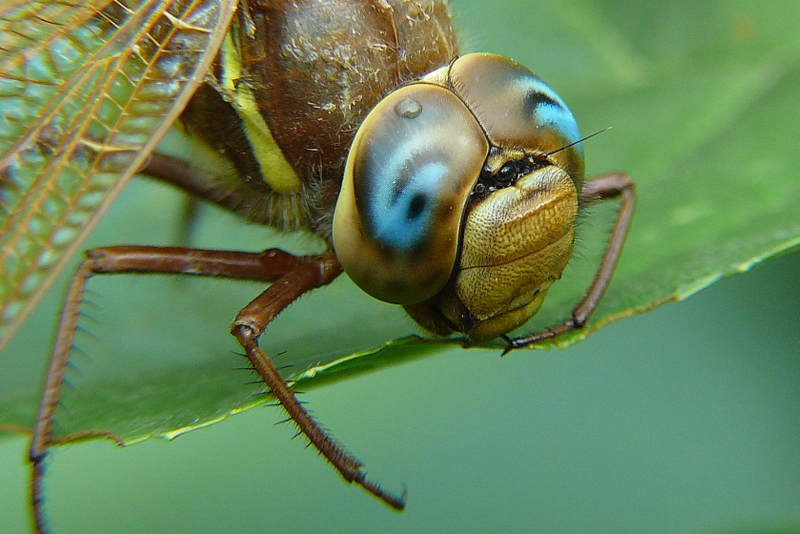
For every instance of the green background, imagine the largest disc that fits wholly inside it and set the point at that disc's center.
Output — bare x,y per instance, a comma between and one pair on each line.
682,420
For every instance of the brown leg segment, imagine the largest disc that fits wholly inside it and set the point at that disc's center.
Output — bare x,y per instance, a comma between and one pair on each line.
600,188
194,181
293,276
251,323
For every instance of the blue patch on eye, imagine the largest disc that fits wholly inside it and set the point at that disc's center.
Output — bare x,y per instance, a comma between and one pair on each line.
402,205
548,109
560,119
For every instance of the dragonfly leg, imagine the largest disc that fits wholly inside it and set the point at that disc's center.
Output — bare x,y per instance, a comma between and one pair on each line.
268,266
601,188
251,323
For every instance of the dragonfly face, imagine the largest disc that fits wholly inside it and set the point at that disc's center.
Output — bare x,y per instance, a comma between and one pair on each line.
459,198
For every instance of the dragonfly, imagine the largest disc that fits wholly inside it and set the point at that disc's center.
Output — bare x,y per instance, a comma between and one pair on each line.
443,182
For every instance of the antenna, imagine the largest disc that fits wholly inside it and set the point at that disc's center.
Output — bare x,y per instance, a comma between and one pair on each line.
581,140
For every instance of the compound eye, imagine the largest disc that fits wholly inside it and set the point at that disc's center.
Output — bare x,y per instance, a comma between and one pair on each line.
408,178
517,109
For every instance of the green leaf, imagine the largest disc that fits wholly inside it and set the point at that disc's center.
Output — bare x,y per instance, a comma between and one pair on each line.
702,99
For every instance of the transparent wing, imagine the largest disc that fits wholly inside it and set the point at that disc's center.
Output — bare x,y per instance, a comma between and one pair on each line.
87,89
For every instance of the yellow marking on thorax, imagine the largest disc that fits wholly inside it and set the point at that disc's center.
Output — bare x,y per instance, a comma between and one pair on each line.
275,170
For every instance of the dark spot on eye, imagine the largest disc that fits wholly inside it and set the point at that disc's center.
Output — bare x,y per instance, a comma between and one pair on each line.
534,99
416,206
